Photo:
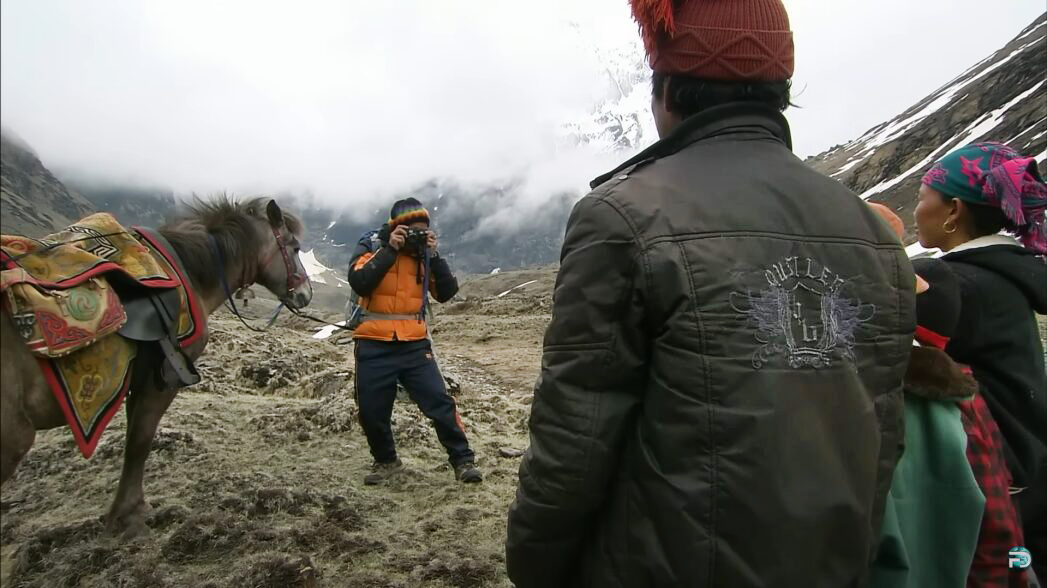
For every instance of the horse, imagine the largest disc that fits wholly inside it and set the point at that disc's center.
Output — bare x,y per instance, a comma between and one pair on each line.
224,246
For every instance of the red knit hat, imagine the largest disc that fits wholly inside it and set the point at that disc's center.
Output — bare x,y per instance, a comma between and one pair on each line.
728,40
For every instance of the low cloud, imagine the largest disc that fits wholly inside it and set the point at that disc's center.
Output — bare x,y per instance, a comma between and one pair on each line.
347,102
356,103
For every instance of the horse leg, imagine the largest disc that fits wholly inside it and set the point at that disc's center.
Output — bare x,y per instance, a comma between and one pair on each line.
17,433
145,407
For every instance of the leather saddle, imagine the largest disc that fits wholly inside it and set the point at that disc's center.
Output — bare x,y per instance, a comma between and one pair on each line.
152,317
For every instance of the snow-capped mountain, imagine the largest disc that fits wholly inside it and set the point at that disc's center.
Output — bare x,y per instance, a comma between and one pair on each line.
622,121
1001,98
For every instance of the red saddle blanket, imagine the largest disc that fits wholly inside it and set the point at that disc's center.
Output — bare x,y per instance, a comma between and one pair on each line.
59,293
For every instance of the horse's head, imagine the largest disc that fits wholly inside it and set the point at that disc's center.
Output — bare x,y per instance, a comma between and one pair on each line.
280,270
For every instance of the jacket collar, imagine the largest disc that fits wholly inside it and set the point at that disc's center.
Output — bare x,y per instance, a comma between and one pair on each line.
735,118
986,241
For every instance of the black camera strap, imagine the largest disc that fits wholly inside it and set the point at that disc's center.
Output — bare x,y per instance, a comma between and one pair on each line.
425,282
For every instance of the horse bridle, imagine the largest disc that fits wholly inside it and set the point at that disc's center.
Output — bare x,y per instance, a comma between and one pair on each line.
294,279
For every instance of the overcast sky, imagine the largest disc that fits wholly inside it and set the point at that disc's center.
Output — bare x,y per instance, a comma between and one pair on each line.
352,99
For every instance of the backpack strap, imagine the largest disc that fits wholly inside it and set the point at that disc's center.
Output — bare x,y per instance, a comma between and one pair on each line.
370,240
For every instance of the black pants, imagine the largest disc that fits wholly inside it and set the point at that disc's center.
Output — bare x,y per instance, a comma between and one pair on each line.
379,365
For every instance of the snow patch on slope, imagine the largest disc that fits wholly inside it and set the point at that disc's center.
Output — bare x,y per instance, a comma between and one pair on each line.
885,133
313,267
516,288
327,331
973,132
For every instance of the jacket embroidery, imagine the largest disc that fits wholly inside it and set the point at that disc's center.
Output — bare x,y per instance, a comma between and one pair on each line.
803,314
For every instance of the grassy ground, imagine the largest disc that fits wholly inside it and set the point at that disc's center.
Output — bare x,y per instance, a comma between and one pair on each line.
256,477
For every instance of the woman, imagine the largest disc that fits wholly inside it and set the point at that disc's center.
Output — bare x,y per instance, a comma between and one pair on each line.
940,527
966,200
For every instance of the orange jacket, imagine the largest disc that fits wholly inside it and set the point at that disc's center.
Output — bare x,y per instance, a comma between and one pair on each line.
388,284
397,293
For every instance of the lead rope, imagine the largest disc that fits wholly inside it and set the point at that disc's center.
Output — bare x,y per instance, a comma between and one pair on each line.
301,314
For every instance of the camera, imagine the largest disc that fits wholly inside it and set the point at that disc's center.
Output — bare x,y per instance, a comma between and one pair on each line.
417,239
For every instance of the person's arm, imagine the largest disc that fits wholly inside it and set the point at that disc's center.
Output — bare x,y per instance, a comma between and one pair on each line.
366,269
587,396
444,285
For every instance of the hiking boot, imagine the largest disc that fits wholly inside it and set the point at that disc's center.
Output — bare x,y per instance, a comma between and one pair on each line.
468,473
381,472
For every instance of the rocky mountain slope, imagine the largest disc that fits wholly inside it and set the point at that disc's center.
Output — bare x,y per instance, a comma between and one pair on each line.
1001,98
32,201
131,204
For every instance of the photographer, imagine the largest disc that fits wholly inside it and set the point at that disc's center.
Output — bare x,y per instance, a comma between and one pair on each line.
388,270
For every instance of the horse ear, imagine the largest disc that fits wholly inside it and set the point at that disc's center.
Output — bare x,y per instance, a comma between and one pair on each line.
276,216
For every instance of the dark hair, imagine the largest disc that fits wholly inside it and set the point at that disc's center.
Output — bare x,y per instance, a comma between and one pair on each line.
688,96
986,219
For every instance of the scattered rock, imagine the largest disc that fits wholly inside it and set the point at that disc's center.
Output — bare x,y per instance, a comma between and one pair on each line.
454,387
510,452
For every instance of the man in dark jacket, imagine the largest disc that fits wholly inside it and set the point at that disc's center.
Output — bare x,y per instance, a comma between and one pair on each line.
394,271
720,394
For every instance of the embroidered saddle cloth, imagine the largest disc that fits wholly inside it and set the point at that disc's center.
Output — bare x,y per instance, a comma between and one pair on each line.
61,293
57,287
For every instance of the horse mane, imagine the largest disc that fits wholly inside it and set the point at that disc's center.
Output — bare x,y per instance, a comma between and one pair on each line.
230,222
